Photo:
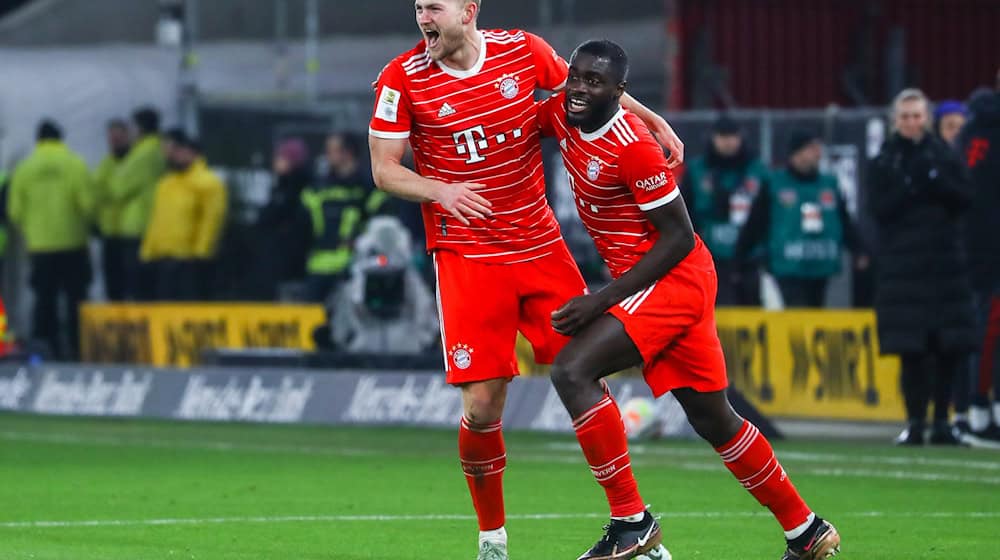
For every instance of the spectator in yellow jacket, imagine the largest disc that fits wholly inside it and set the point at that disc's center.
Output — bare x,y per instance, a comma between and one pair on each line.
131,190
189,210
50,202
108,210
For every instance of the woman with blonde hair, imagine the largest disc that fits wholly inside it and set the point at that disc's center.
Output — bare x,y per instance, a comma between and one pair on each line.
919,191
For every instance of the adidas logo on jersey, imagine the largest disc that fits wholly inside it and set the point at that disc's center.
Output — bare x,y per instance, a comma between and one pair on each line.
446,111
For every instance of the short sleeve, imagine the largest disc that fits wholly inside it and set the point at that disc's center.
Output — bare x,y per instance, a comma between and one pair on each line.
643,168
548,112
391,115
550,68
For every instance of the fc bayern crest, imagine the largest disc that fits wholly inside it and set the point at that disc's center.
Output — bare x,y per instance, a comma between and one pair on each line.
509,88
461,356
593,169
827,198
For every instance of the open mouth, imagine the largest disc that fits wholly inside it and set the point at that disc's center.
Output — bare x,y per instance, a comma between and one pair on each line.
576,105
433,38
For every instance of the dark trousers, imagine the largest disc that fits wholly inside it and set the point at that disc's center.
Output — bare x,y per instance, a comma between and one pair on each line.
985,370
180,279
802,292
927,374
113,267
59,279
739,283
138,278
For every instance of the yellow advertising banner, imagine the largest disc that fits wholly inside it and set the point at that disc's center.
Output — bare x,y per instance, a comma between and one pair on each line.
177,334
810,364
801,364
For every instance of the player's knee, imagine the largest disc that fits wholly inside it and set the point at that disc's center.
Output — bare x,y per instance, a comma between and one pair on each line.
568,374
483,408
483,413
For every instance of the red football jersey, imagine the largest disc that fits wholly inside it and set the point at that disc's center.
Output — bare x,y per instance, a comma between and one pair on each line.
478,126
617,173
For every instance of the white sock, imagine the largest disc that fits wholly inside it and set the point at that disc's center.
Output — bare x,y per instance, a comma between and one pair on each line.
496,535
632,518
979,418
996,413
801,529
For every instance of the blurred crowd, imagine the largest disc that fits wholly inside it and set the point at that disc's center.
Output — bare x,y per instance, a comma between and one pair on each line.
159,213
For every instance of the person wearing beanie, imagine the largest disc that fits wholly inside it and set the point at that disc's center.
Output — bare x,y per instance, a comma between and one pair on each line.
719,190
283,229
949,118
51,203
979,148
801,218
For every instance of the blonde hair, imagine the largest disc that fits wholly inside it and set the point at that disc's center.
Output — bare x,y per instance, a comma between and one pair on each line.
910,94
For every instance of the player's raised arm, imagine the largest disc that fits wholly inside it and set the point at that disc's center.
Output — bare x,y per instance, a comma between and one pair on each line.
393,177
660,128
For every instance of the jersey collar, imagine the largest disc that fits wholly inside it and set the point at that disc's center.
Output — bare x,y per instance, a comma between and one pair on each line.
462,74
591,136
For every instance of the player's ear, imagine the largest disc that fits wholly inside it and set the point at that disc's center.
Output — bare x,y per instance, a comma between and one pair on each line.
620,90
471,8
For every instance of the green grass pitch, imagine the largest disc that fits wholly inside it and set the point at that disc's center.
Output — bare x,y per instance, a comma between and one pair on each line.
86,489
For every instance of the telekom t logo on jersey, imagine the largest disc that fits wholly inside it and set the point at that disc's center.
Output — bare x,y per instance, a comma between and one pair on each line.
472,141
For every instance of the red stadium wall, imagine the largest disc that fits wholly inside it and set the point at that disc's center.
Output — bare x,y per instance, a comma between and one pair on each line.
794,53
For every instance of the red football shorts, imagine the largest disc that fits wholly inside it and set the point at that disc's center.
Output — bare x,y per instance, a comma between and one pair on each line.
482,307
672,323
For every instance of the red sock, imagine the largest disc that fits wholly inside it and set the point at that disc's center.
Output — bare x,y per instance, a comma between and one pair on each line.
484,459
602,436
751,459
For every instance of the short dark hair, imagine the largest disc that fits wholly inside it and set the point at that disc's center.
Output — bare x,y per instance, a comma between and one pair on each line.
49,129
183,139
351,142
147,119
604,48
117,123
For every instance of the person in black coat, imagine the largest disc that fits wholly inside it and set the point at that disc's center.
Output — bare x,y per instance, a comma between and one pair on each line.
283,225
919,193
979,145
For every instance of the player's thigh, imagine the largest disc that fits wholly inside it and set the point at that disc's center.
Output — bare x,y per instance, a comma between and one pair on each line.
656,316
478,311
694,360
546,284
601,348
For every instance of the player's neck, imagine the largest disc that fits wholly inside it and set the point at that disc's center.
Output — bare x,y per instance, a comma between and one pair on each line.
468,55
599,123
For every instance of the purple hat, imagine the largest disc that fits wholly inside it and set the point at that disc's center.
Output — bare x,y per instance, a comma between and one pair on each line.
949,107
294,151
